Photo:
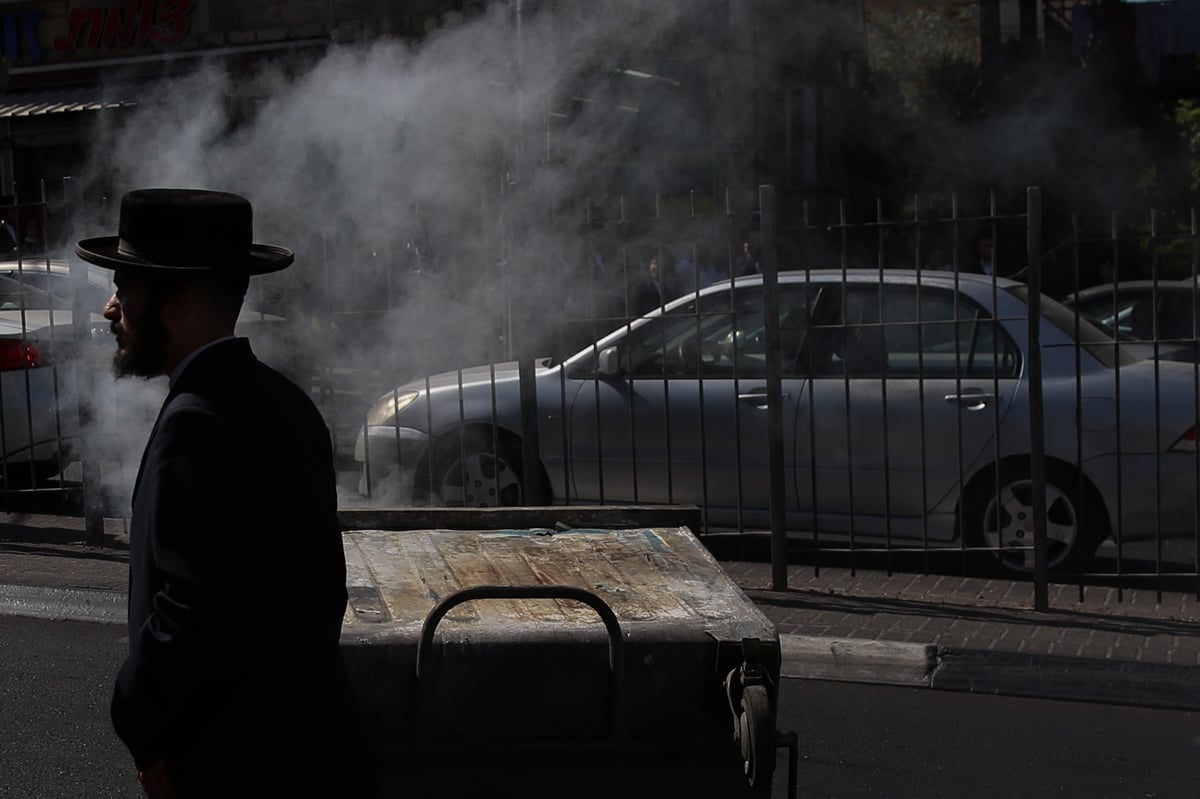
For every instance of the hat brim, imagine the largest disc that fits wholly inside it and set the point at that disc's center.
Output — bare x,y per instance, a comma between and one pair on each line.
105,251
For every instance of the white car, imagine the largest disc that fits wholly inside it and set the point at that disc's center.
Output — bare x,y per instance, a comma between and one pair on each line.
905,420
39,422
40,345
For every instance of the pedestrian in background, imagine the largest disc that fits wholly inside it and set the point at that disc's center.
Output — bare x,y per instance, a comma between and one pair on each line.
987,256
649,290
32,242
234,510
747,261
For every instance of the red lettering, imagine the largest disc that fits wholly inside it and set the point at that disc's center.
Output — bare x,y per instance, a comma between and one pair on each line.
146,25
80,20
162,22
119,28
172,21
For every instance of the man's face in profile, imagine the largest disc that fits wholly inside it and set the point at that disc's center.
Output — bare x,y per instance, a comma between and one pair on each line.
135,311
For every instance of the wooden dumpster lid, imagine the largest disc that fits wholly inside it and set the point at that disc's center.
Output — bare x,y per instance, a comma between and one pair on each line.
651,576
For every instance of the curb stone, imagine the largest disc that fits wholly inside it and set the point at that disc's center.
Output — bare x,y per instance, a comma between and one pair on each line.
1154,685
69,604
853,660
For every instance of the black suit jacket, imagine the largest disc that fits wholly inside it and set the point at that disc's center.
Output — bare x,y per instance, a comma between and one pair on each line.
237,580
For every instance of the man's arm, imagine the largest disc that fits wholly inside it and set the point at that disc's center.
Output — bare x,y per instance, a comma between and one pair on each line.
180,657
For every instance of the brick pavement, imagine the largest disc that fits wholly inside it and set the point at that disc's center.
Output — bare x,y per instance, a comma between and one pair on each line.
1136,646
976,613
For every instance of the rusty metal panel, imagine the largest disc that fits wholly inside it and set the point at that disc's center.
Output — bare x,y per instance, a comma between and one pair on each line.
655,575
626,651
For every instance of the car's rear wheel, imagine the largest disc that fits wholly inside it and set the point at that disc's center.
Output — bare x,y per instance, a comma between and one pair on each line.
476,470
1003,522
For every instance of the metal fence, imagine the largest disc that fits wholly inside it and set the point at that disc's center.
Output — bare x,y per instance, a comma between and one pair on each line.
828,384
849,399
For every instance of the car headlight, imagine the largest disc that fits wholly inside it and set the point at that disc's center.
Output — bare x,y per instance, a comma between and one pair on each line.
384,411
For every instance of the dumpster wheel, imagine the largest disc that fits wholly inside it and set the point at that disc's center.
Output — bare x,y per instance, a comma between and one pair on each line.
755,733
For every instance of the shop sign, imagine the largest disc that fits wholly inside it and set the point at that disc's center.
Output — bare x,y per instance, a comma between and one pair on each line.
161,22
96,27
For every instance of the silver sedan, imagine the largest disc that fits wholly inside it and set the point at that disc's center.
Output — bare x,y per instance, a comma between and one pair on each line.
905,407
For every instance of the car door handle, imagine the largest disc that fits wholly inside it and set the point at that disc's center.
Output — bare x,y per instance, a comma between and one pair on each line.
972,400
759,396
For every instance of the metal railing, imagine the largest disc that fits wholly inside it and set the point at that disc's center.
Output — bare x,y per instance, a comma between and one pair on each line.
851,389
645,414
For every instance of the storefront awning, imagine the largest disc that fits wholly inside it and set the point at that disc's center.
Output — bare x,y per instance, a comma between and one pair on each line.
63,101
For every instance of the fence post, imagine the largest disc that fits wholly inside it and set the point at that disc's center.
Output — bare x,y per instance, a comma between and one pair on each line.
770,271
85,379
1037,421
531,478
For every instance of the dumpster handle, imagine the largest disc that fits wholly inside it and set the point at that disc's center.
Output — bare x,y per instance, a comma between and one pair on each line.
616,642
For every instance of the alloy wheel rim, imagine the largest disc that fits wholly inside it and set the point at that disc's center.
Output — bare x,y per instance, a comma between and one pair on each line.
481,480
1008,525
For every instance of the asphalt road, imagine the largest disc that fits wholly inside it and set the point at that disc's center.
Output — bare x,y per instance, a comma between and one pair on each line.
55,681
883,742
855,740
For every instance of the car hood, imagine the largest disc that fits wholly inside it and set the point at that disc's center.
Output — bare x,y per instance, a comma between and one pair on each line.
471,376
42,324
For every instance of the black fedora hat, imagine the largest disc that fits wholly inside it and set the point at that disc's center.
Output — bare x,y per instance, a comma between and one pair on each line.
184,231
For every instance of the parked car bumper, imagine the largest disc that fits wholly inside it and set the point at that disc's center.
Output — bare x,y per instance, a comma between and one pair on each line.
1155,496
38,429
388,458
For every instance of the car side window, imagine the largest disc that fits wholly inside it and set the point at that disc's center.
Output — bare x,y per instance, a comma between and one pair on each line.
722,335
906,331
1129,313
36,289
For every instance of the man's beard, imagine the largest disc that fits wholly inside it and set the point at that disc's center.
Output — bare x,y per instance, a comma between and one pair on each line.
142,354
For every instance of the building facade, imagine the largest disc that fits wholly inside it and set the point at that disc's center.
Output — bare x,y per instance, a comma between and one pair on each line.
762,80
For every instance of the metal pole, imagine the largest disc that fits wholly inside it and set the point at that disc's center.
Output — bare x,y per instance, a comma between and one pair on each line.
531,478
770,269
1037,421
85,379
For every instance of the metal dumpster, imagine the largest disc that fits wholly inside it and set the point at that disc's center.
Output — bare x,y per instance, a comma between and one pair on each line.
535,662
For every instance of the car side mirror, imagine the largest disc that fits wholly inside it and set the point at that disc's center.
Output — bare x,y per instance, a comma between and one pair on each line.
608,363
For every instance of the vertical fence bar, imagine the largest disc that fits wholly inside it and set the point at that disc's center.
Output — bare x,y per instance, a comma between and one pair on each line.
1118,536
881,264
1037,422
85,379
531,489
770,267
1194,242
1156,332
1085,512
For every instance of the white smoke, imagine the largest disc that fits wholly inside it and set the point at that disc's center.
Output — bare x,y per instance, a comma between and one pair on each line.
412,181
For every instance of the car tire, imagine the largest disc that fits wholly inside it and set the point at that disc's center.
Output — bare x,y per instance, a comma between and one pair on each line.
473,469
1002,522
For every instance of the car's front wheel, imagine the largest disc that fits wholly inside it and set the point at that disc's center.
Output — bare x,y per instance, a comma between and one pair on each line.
1003,523
474,469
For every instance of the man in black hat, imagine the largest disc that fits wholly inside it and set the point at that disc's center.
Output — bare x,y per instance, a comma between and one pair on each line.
234,683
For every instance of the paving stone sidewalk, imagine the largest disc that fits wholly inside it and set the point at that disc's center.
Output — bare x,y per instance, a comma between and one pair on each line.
1136,625
1133,646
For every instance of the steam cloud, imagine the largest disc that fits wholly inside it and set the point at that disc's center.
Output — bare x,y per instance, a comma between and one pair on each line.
393,165
432,191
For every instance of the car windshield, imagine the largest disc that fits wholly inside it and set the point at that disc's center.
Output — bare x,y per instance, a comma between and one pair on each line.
1092,338
32,288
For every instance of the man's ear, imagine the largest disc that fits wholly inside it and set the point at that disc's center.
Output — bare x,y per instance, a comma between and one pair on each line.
178,305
